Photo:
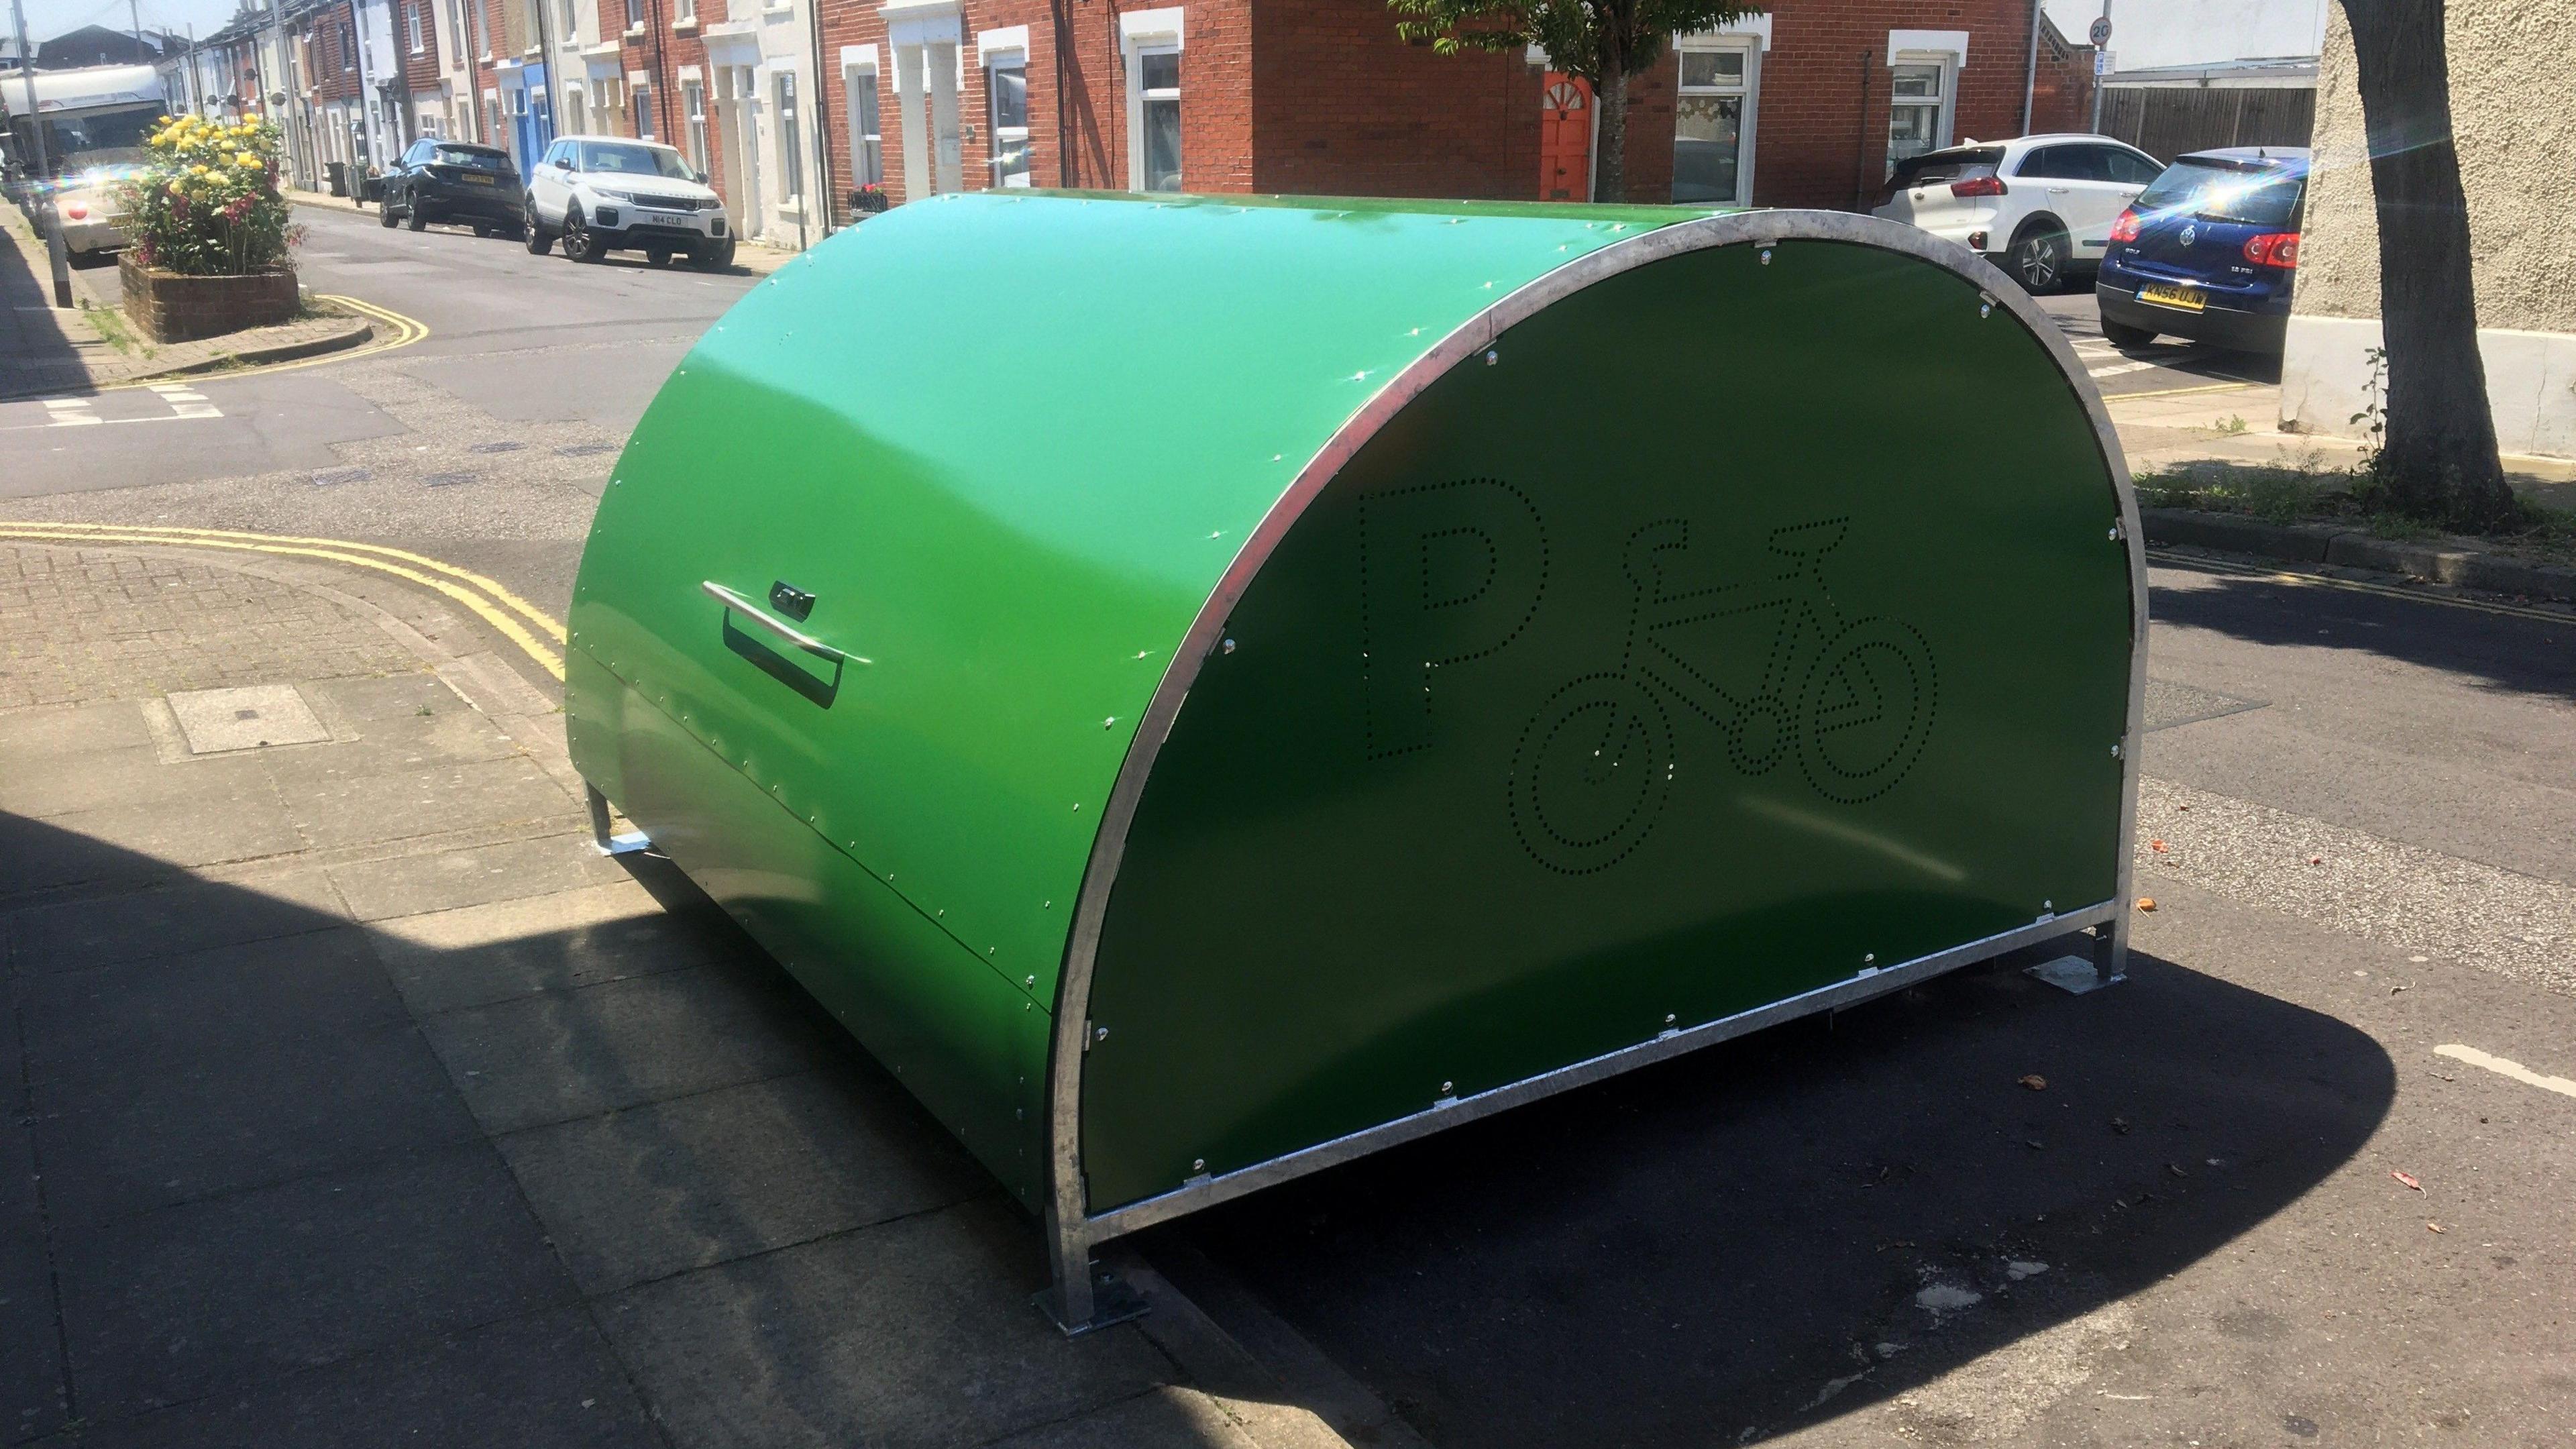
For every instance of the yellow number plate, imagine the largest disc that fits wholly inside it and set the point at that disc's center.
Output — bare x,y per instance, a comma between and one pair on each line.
2188,299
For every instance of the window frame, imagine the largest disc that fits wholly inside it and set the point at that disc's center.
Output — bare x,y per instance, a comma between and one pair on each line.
1747,90
863,109
1944,106
997,135
694,136
791,148
414,30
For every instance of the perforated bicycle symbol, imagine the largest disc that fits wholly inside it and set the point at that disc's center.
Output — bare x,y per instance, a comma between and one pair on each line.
1849,700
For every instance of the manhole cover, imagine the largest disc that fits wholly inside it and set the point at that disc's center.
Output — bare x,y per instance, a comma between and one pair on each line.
216,720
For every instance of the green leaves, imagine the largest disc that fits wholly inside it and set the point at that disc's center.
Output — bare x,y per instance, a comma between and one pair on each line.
1593,39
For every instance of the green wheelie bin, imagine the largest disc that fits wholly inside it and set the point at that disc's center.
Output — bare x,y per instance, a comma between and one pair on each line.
1204,688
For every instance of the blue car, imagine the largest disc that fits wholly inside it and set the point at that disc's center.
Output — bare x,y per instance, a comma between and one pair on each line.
2209,252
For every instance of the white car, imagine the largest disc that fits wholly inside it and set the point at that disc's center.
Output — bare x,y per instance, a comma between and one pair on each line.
606,193
2040,207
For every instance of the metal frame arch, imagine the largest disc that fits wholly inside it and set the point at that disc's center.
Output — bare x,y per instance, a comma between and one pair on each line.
1073,1230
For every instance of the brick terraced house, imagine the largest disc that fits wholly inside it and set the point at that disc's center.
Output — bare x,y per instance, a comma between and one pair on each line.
794,106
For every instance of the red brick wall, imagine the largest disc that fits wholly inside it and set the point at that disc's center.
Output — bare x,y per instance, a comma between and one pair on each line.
1342,106
420,68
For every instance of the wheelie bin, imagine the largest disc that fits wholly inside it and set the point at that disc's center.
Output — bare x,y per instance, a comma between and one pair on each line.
1204,688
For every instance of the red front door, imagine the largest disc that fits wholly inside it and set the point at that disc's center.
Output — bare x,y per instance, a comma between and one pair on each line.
1565,139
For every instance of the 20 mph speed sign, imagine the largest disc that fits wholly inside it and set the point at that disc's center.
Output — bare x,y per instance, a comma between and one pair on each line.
2100,34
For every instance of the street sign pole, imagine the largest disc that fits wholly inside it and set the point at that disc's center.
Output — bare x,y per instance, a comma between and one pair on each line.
46,216
2101,38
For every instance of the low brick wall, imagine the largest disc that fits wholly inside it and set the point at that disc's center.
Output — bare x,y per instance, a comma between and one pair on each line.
168,307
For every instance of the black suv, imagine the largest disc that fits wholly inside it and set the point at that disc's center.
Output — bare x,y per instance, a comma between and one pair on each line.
455,181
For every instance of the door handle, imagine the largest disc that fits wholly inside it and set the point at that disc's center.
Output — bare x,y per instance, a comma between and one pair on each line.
2057,191
780,627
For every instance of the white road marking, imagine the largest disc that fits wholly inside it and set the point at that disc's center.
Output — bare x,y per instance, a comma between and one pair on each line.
70,412
185,401
2121,368
2504,1068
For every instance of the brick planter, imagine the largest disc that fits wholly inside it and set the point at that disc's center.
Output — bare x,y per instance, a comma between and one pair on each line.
168,307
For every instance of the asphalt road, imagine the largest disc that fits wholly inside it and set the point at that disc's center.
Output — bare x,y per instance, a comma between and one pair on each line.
1841,1231
486,443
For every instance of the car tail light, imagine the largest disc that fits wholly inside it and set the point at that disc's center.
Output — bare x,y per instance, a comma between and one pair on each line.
2126,228
1978,186
2273,249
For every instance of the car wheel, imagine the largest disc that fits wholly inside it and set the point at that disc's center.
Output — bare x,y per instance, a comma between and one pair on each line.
2038,260
715,257
540,241
415,218
2127,339
578,243
656,257
385,214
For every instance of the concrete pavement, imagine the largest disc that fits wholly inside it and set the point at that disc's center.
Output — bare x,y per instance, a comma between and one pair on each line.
357,1100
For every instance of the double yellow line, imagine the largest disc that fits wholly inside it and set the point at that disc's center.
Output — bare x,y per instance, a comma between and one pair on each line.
2282,574
393,330
539,634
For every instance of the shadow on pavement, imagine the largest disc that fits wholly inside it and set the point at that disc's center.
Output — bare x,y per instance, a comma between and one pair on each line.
1820,1218
500,1172
2506,651
35,354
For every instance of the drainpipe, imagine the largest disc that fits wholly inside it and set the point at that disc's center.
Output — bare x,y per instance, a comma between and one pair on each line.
2030,73
822,114
1860,163
1063,137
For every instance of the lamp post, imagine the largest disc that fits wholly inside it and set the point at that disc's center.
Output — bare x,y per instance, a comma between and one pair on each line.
53,221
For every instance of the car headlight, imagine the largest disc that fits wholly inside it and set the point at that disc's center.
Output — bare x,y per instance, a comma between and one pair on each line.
625,196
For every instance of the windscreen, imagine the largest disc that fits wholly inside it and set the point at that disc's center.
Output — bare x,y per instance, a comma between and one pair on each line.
631,159
470,157
99,138
1946,166
2213,191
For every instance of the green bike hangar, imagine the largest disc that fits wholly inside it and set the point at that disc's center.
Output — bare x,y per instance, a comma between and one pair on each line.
1205,688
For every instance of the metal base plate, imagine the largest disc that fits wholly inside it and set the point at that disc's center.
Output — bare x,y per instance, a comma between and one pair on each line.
1113,1301
2072,974
626,844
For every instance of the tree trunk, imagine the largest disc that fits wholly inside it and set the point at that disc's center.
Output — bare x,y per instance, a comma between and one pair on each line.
1610,173
2438,460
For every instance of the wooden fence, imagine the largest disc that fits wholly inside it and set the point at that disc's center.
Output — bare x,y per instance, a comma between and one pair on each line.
2167,121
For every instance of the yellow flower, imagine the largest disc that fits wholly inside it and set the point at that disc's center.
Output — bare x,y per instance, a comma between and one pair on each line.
245,160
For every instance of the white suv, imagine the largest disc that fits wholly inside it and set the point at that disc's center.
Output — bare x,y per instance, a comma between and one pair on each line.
606,193
2040,207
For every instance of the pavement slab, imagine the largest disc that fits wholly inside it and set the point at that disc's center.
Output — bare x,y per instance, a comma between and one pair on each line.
542,1378
473,956
915,1332
647,1192
210,1296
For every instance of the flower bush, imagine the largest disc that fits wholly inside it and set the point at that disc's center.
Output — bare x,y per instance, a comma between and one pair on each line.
207,204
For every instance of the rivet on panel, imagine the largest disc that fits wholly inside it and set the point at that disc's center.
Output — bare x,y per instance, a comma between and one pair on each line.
1765,255
2048,905
1100,1033
1670,1018
1113,719
1046,905
1228,646
1198,1164
1492,357
2115,752
1869,958
1448,1089
1032,981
